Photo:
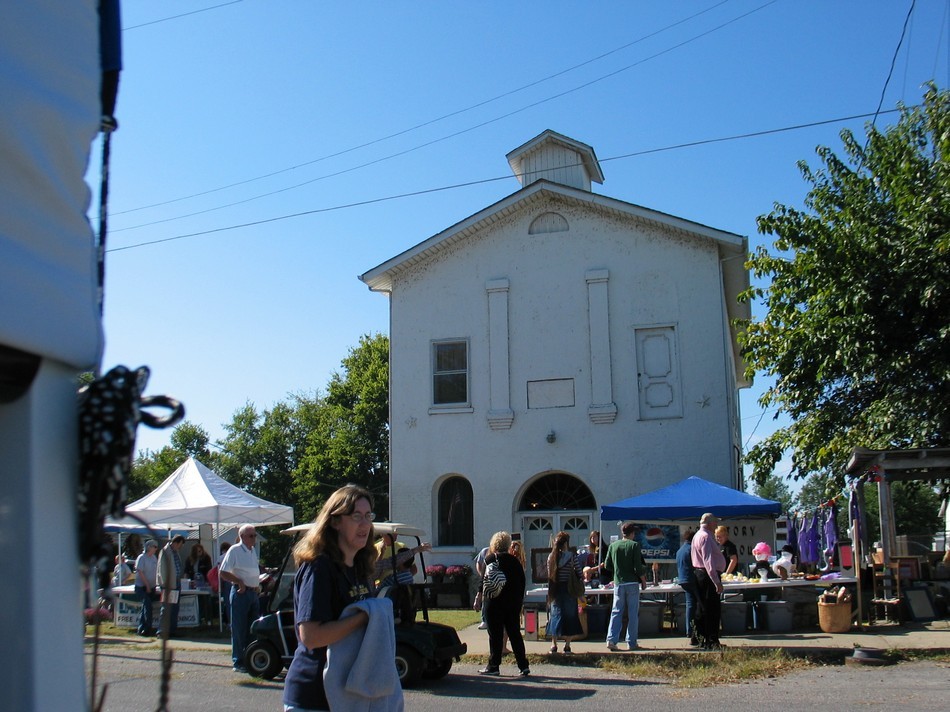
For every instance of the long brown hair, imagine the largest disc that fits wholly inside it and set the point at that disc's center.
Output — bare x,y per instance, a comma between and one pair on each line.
324,539
520,549
561,540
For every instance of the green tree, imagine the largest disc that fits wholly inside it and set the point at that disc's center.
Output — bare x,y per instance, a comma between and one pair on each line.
916,509
150,469
261,453
857,333
350,441
775,489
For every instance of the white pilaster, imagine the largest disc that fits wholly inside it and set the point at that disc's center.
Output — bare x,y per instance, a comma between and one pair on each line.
500,415
602,408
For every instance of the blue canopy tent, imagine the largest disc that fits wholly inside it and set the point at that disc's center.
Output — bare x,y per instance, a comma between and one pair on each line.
688,500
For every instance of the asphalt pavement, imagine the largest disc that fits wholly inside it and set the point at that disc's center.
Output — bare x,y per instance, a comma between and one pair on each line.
201,679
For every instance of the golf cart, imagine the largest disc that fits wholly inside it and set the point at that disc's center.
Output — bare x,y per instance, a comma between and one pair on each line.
423,649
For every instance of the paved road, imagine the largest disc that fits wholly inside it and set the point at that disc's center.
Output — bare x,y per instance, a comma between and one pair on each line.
202,681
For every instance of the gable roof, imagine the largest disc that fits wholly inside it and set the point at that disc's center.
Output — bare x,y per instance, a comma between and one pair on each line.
690,499
733,249
380,278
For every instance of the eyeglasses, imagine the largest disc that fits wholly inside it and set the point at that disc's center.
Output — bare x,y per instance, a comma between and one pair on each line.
360,517
251,536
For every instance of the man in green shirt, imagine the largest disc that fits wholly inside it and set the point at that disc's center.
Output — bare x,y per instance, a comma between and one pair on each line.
624,563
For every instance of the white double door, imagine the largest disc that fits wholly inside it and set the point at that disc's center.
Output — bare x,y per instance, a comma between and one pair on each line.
538,530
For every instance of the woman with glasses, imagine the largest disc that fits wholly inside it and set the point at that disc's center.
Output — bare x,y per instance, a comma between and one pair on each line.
336,564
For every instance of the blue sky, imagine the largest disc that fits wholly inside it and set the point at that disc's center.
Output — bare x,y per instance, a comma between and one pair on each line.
270,152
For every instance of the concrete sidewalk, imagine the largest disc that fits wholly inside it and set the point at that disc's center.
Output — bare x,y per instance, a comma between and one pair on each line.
933,635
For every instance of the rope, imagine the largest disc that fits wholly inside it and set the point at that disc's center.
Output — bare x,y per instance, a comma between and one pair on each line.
108,126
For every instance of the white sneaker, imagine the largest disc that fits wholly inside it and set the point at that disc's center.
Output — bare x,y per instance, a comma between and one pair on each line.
612,647
482,626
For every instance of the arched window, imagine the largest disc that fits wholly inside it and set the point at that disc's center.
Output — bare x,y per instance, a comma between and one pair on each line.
557,491
456,523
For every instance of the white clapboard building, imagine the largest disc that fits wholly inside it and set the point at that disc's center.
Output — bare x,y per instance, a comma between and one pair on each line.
557,351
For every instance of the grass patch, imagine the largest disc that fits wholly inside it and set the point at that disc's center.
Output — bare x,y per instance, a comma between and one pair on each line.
458,618
706,669
110,629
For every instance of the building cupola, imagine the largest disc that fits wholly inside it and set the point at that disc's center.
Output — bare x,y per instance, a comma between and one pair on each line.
554,157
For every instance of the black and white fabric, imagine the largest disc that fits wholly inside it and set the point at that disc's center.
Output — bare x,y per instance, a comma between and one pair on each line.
494,581
110,409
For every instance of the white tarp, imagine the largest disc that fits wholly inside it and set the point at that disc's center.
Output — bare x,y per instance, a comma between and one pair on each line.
193,494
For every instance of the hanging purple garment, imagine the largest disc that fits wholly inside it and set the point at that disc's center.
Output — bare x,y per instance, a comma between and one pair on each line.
854,513
830,531
793,533
808,544
802,535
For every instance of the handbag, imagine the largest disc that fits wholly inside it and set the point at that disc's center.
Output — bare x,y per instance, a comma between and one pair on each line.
575,586
494,581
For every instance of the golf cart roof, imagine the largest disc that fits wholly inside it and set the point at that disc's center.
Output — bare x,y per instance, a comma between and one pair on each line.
378,527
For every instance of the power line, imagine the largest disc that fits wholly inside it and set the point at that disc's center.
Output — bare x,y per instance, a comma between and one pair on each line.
184,14
897,50
427,191
488,122
429,122
757,424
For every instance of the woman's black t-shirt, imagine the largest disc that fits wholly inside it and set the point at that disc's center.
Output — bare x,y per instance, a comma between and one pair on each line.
322,590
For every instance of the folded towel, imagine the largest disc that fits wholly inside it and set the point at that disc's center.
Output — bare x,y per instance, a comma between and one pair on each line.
360,674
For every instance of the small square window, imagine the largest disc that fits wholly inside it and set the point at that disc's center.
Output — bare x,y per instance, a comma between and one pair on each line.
450,373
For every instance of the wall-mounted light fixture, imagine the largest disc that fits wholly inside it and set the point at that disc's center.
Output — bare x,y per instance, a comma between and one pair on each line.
551,437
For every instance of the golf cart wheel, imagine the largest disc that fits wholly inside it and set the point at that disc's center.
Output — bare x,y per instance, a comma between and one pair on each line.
438,669
408,665
262,660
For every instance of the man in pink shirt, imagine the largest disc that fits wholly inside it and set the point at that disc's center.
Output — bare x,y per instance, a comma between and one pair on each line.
708,564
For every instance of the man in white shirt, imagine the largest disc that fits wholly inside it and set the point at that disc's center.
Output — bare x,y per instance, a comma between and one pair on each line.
146,570
241,569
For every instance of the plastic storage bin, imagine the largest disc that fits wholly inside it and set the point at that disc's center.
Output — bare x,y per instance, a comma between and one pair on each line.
734,617
597,617
650,619
778,615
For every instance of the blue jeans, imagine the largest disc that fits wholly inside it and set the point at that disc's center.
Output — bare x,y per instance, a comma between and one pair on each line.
690,590
563,621
145,617
245,609
171,610
626,598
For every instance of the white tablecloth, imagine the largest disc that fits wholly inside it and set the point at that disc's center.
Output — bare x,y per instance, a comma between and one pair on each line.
539,595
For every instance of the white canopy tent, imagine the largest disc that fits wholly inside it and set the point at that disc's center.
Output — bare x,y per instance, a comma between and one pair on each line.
194,495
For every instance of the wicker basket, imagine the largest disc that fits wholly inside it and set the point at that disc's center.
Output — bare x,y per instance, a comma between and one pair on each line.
834,617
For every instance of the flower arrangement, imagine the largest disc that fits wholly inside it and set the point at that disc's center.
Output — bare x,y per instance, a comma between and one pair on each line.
435,570
97,615
459,571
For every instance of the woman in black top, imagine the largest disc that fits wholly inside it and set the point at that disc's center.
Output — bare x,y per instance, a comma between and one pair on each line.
729,550
336,561
198,562
503,613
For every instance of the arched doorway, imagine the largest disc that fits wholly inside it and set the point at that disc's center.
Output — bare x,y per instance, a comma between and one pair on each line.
553,502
